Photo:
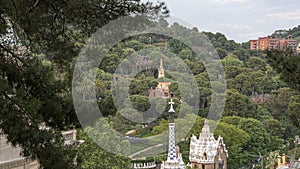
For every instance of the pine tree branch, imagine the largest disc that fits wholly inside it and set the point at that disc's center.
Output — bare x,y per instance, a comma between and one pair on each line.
34,6
13,2
12,53
15,103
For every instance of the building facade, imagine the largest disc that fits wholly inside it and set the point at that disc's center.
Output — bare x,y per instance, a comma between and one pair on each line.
207,152
162,89
295,165
11,156
264,43
298,48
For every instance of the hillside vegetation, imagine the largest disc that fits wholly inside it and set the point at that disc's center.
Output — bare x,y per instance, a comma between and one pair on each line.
259,105
261,114
282,33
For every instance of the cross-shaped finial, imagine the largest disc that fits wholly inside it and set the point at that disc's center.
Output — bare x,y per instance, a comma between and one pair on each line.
171,107
171,102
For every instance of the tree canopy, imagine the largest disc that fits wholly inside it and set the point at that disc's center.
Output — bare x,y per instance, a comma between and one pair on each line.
35,96
261,114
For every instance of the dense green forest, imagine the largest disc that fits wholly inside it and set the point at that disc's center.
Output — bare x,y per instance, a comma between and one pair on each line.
40,41
261,115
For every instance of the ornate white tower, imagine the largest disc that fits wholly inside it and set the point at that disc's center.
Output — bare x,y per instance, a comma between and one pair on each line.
174,160
172,147
207,152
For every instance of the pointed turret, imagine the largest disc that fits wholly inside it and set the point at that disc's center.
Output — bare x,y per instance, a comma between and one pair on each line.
206,151
161,70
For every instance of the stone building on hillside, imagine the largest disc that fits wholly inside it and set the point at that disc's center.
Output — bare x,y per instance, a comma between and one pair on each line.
162,89
260,98
207,152
11,157
298,48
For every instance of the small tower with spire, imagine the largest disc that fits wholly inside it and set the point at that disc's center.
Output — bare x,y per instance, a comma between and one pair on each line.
161,70
162,89
174,159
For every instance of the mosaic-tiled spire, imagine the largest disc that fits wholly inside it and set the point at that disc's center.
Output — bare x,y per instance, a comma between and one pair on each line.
172,147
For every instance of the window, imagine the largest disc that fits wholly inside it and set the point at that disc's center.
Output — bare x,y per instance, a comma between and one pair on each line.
205,156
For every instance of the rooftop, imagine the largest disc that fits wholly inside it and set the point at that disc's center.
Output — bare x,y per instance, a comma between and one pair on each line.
164,79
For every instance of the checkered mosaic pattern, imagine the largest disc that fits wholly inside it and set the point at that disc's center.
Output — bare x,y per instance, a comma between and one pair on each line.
172,149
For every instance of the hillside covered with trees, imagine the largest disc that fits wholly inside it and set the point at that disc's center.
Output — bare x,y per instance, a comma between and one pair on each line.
261,115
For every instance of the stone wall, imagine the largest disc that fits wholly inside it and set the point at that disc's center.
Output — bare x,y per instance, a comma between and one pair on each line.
7,152
10,157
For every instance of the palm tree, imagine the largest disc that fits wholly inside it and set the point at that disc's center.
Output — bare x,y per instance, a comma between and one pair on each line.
271,160
85,88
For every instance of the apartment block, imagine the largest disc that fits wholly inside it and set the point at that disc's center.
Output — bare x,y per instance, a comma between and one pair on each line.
269,42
